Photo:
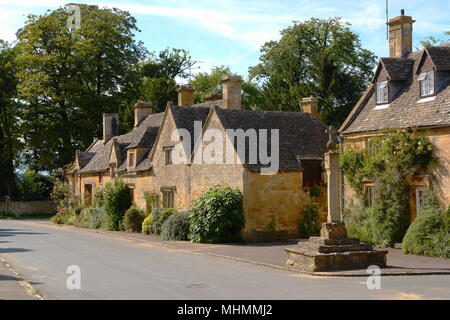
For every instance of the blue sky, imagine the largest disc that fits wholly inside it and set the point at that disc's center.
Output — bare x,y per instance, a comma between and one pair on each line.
231,32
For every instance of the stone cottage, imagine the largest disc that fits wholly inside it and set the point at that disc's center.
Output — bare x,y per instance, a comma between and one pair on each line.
409,90
146,157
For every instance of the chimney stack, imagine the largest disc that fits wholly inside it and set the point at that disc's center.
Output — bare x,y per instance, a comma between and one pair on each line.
231,92
310,105
400,35
141,110
185,96
110,126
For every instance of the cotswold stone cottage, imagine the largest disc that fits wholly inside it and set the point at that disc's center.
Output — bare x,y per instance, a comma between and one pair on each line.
144,157
409,90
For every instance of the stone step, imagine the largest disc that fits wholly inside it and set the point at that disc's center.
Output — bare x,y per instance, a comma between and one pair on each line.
314,261
321,248
329,242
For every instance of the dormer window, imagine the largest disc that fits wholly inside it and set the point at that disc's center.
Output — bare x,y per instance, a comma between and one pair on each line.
426,83
382,92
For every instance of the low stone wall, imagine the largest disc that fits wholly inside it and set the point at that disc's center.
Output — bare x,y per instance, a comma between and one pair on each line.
20,208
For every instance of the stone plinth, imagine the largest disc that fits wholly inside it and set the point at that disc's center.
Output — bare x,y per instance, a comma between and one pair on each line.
333,250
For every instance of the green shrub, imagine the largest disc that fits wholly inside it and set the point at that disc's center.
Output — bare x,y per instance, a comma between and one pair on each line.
159,216
217,216
77,210
147,223
429,234
98,197
176,227
63,216
117,200
315,191
394,156
310,224
133,219
359,222
94,217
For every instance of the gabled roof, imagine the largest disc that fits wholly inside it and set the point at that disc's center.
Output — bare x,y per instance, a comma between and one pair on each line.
301,136
408,109
439,57
396,68
141,136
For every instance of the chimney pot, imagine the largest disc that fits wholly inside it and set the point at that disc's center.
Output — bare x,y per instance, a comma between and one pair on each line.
110,126
185,96
231,92
310,105
141,110
400,35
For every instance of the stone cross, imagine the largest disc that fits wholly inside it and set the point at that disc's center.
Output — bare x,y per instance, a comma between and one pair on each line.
333,176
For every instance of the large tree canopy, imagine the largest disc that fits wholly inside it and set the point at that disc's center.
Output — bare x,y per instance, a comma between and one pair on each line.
159,74
8,120
69,77
318,57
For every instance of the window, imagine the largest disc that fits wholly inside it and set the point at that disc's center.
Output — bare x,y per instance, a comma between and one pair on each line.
382,92
420,198
168,198
131,189
426,83
168,155
131,160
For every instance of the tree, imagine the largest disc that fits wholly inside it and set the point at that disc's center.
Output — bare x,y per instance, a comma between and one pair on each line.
8,118
205,83
432,41
159,75
317,57
69,77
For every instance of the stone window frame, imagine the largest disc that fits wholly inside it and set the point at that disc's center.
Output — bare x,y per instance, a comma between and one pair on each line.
168,155
168,197
384,89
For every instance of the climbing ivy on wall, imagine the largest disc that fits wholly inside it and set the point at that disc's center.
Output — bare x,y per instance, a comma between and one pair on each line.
393,156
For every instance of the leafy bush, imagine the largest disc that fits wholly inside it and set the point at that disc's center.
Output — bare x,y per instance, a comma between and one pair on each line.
133,219
429,234
94,217
176,227
310,224
34,186
159,216
394,156
217,216
359,222
63,216
147,223
117,200
98,197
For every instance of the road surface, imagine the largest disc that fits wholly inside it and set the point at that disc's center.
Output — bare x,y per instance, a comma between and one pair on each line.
117,268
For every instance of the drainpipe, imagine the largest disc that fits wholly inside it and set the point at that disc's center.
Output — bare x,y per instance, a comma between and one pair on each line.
341,177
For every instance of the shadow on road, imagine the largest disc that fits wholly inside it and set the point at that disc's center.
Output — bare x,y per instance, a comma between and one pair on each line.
13,232
13,250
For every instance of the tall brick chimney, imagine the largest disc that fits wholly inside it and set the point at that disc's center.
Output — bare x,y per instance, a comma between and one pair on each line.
310,105
110,126
141,110
185,96
400,35
231,92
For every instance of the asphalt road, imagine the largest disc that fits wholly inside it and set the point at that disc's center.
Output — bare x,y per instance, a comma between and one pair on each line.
116,268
